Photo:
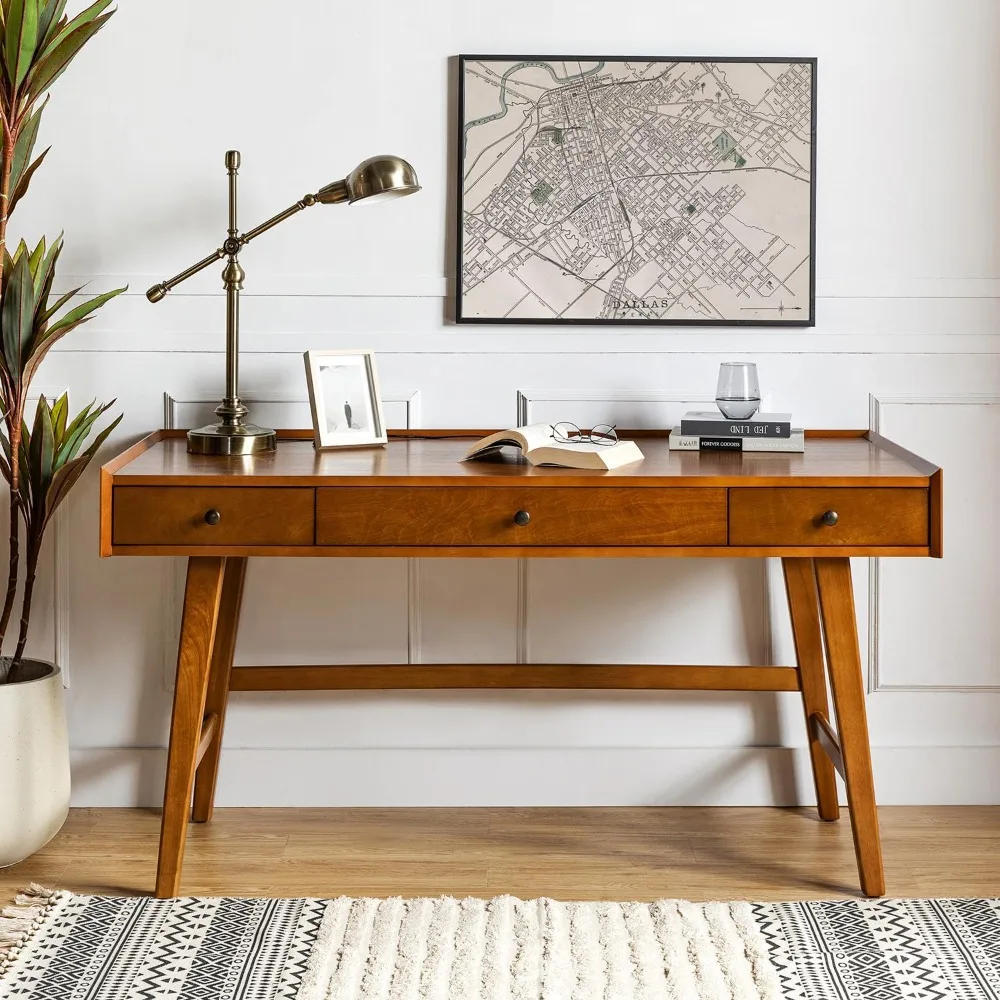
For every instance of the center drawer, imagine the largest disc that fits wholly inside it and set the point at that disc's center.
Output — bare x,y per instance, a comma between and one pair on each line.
211,515
554,515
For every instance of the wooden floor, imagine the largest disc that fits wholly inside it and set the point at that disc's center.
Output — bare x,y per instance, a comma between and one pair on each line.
640,854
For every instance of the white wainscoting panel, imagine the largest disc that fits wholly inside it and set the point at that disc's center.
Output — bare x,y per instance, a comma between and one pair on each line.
938,627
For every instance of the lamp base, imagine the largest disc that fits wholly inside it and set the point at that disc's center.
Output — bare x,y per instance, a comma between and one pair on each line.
221,439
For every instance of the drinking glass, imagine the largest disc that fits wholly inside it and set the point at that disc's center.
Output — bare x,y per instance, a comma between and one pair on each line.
738,392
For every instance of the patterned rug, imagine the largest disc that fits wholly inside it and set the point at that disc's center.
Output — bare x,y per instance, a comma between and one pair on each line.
59,946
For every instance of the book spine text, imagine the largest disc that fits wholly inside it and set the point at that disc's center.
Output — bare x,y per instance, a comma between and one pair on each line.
735,428
706,442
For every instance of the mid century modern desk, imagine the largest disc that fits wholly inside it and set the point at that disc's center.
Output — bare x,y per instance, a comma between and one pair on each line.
850,494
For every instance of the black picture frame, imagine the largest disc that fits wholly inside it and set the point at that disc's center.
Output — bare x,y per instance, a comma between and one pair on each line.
462,315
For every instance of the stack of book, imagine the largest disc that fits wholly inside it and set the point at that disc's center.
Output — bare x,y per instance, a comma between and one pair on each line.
711,431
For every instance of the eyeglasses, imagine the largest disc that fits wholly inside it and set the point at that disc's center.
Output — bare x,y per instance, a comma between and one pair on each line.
568,433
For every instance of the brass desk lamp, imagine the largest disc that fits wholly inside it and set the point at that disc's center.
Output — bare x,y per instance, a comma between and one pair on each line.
378,177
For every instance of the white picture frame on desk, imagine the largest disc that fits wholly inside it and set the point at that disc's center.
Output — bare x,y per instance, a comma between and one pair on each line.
345,400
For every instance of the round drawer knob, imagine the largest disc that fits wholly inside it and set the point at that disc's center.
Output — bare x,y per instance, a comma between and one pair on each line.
830,518
521,518
212,516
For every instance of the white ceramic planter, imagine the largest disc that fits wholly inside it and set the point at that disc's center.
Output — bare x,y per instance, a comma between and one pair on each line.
34,762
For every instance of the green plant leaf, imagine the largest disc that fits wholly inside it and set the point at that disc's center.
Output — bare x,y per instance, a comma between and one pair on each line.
83,310
34,260
17,313
80,417
39,446
62,482
83,18
25,144
43,281
60,302
20,37
77,431
80,428
39,256
60,410
48,19
41,450
22,457
64,478
70,321
60,53
42,345
24,180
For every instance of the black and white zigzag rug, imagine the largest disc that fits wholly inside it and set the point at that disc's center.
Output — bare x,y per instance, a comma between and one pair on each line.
59,946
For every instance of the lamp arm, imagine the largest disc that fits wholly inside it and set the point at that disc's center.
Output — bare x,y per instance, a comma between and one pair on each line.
157,292
230,247
305,202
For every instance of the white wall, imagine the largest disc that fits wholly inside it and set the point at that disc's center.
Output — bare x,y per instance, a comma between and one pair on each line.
906,341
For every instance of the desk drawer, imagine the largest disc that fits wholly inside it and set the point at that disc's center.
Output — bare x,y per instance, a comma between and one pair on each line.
176,515
794,516
596,516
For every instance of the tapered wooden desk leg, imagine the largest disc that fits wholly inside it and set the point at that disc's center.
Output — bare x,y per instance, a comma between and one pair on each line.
836,598
202,596
218,686
803,606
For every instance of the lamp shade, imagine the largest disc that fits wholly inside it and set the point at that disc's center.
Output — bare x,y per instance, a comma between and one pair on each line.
376,177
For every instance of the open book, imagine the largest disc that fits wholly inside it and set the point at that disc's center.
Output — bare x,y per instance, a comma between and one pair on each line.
539,447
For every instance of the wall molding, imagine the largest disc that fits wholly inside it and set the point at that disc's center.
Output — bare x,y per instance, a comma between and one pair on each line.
872,682
522,653
435,286
527,397
414,618
411,399
416,286
767,638
61,592
876,404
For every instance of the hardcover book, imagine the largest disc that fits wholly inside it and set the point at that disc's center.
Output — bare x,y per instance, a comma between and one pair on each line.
711,422
538,446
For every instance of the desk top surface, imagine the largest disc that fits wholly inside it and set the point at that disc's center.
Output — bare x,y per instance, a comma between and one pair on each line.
851,458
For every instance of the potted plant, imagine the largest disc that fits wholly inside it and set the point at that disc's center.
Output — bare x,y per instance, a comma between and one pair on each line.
41,461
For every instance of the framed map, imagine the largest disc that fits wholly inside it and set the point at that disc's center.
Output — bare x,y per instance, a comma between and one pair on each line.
636,190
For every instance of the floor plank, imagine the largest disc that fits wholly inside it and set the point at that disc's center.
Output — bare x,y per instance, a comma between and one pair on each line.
643,854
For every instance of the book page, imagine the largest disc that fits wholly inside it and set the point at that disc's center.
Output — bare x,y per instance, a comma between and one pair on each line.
587,455
577,447
536,435
525,438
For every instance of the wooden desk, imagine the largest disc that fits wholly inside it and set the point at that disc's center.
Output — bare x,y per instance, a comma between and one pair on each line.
414,498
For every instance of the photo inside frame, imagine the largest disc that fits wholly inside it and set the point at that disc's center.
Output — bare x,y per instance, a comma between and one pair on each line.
343,390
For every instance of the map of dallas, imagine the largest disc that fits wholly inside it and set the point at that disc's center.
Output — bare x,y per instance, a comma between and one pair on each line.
628,190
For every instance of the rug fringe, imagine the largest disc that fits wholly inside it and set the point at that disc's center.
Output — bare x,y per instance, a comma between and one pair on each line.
20,922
